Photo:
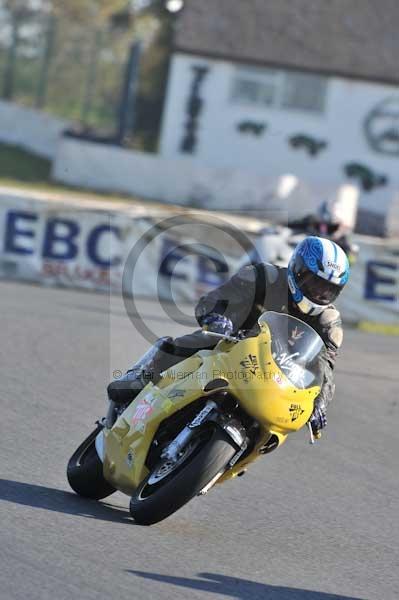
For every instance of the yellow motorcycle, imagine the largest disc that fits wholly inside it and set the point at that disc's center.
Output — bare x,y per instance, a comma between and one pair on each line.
205,421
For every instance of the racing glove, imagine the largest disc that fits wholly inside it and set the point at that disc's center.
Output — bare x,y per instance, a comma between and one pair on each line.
217,324
318,420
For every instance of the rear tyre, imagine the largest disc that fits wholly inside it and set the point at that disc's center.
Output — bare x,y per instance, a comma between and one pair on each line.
85,471
155,500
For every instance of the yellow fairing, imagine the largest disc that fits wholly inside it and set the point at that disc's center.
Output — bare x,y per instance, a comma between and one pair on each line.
128,442
246,369
263,390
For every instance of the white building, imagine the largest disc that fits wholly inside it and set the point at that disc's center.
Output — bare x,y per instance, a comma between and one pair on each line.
272,87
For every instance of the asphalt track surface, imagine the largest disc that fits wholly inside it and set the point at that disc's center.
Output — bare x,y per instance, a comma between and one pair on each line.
306,523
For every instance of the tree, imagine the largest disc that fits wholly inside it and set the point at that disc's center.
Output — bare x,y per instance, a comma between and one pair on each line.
18,11
154,75
93,13
73,62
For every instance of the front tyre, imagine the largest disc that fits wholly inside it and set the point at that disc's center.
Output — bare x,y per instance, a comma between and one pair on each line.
163,492
85,470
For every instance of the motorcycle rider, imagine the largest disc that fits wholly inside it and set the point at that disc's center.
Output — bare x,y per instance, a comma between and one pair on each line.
316,274
327,223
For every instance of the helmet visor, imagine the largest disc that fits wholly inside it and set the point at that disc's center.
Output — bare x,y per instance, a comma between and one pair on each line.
317,289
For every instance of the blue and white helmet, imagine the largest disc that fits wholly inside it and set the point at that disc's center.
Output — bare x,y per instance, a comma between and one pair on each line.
317,273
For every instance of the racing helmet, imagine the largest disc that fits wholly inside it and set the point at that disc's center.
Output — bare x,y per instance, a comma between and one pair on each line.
327,219
317,272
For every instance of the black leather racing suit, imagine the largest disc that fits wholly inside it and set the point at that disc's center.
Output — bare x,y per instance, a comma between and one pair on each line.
255,289
249,293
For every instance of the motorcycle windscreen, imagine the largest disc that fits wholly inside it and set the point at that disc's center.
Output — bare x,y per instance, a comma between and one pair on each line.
296,349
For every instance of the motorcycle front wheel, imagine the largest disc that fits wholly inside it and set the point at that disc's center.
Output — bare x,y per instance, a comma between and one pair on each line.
85,470
171,485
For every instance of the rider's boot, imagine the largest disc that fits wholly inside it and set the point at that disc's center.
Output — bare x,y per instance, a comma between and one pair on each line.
157,359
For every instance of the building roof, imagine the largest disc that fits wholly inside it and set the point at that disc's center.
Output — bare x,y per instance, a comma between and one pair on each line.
349,38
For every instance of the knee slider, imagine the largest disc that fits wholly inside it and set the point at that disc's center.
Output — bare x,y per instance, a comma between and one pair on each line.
121,391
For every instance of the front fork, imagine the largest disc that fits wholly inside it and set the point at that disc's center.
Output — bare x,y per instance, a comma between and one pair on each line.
210,412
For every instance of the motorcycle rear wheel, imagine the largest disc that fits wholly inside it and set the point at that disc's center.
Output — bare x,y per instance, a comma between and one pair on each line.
153,502
85,470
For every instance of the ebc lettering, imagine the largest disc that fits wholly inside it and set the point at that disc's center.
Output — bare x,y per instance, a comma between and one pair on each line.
209,270
17,232
200,418
60,239
171,255
93,242
376,276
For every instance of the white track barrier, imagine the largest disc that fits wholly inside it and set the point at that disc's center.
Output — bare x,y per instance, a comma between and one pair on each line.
183,181
30,129
86,244
372,295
